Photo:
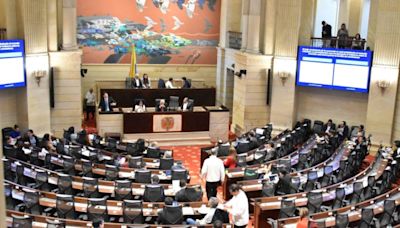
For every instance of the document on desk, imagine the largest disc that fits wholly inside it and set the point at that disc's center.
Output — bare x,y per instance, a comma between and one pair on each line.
167,123
187,211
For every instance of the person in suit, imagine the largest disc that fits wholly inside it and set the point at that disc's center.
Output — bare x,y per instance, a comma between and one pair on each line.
161,84
329,127
343,131
162,107
326,34
342,36
31,138
162,218
186,83
284,184
146,81
99,223
140,107
106,103
186,105
180,196
137,83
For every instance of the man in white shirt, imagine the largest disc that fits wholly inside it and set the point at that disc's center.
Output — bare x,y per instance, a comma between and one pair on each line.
213,171
90,103
186,105
170,84
238,207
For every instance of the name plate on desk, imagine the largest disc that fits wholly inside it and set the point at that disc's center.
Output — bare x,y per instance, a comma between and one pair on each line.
167,123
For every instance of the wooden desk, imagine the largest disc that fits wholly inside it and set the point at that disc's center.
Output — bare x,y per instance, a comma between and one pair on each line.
268,207
40,221
126,97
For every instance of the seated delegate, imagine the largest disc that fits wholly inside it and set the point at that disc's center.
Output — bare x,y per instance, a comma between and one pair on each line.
140,107
186,105
207,219
106,103
162,106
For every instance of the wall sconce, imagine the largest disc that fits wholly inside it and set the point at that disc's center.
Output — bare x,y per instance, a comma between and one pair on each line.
284,77
39,74
383,84
240,73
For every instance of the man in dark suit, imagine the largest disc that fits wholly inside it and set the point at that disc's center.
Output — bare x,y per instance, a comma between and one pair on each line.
284,184
162,106
137,83
186,105
326,34
180,196
186,83
106,103
161,84
31,138
162,216
329,127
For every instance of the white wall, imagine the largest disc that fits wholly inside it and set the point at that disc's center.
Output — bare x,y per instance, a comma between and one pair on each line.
366,6
326,10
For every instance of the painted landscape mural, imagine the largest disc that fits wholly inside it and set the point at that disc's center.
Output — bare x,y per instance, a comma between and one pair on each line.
163,31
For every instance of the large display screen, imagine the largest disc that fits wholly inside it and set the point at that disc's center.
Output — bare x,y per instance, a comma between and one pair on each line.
340,69
12,63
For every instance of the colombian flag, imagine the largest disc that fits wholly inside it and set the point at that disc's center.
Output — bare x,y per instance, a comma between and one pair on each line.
133,69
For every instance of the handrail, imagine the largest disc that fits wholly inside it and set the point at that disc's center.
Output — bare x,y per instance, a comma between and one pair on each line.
335,42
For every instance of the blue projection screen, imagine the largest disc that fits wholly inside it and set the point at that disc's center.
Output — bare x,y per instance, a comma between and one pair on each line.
330,68
12,63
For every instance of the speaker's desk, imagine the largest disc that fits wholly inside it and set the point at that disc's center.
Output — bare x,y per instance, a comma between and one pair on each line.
211,119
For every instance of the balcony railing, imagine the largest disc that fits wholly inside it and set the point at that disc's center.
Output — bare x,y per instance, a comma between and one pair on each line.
3,33
234,40
334,42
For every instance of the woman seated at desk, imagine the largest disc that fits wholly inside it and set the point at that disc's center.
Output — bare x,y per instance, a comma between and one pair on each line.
140,107
162,107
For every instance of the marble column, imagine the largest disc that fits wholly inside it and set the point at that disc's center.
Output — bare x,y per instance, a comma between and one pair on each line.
69,25
251,19
382,102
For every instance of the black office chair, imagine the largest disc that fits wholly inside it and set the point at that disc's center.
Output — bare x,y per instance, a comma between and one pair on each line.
69,165
133,212
10,152
318,127
31,203
64,184
20,177
136,162
90,187
132,149
74,151
173,214
303,161
8,173
34,157
358,189
242,147
97,209
223,150
153,153
327,178
143,176
312,177
179,174
367,217
268,189
153,193
340,195
341,220
10,202
285,164
288,209
193,193
21,221
173,103
111,144
65,206
389,208
123,190
166,163
112,172
86,169
47,162
369,190
314,201
42,181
